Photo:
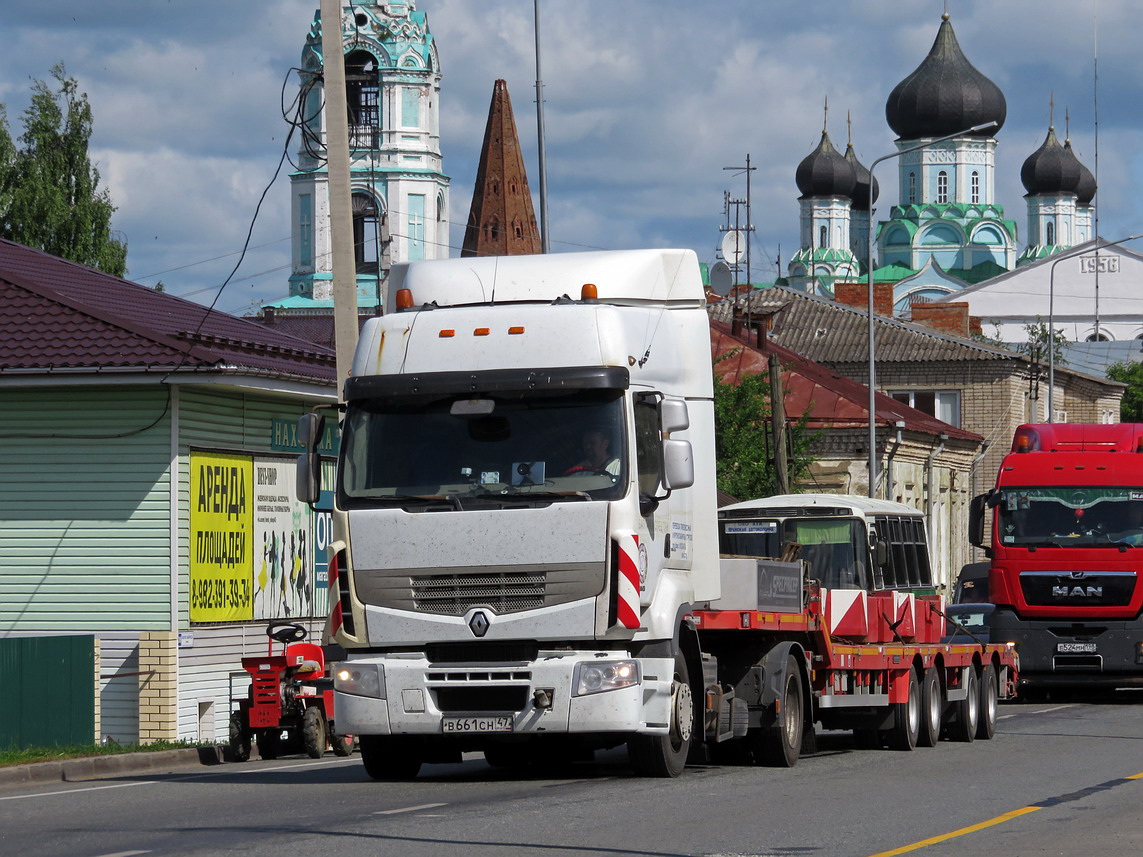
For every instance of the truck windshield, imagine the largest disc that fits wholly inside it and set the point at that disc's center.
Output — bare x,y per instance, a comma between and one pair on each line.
470,451
1070,517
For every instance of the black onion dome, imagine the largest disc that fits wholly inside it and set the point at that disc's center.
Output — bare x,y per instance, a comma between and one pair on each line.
945,95
1085,188
860,194
1051,169
824,172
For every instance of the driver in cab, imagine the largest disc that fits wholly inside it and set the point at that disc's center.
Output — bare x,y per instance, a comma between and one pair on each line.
597,455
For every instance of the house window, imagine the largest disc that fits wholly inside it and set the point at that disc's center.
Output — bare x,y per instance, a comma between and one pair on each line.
942,404
942,186
363,100
975,186
912,188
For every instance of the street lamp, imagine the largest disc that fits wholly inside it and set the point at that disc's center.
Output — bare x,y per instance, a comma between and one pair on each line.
1071,254
869,275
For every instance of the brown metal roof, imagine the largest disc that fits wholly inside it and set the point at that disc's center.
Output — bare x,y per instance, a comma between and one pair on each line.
64,316
830,400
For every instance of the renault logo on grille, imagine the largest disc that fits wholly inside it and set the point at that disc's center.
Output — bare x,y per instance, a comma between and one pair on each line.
478,624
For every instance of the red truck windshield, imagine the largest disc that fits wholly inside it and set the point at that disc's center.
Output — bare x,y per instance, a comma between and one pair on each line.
1062,517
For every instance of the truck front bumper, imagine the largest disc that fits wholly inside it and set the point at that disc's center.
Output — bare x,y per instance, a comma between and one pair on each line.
1063,652
415,697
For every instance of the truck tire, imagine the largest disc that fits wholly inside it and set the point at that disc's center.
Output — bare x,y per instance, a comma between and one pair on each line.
314,732
906,726
666,755
239,738
389,758
932,708
269,743
779,746
966,712
989,700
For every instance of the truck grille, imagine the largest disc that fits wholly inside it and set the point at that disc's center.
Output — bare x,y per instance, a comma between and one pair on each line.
455,594
1092,589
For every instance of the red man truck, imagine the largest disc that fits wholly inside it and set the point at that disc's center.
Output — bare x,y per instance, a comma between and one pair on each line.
1066,548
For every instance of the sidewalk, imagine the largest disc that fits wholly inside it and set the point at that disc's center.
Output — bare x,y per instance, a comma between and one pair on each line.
99,767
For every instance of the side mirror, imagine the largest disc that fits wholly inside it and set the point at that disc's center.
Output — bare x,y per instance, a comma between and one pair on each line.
976,519
673,416
880,553
678,464
311,427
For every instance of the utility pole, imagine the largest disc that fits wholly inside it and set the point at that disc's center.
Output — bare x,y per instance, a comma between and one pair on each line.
340,211
545,244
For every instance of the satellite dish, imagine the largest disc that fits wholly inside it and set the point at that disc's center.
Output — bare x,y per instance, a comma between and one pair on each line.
733,247
721,279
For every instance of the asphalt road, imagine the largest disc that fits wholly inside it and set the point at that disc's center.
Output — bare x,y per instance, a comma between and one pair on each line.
1058,779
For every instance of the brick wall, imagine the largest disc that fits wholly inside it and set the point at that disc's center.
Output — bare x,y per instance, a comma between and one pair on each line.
158,686
857,295
951,318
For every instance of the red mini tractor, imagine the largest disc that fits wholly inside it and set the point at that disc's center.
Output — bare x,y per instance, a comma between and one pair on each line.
289,708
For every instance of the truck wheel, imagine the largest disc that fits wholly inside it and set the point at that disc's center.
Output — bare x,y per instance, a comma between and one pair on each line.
989,700
342,744
779,745
966,712
907,717
389,758
269,743
932,707
666,755
239,737
313,732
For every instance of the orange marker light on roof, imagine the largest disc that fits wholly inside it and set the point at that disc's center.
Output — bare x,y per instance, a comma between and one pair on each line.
512,331
588,292
480,331
404,299
445,334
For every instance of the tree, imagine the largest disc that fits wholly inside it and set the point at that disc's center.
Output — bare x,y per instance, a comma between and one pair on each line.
1131,374
49,189
743,441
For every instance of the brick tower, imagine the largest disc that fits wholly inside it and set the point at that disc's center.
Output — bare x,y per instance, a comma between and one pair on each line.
501,221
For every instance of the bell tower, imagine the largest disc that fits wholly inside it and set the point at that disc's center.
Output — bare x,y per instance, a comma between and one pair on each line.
399,192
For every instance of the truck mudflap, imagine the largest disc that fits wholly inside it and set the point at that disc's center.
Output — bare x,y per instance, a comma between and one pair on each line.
1064,652
561,694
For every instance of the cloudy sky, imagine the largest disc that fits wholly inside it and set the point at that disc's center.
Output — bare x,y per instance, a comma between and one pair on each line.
647,102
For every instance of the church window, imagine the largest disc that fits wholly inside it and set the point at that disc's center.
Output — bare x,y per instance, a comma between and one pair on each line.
1051,233
912,188
822,237
1098,337
416,226
305,230
366,233
363,100
975,186
942,187
410,107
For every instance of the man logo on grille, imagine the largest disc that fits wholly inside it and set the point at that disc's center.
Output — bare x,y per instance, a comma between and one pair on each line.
478,624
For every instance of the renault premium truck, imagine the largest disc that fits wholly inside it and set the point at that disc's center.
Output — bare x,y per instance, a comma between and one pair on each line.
527,541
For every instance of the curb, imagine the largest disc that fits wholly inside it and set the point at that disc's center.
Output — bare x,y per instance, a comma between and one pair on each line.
98,767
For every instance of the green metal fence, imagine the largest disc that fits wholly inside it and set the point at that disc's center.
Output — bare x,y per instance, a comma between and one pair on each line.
51,686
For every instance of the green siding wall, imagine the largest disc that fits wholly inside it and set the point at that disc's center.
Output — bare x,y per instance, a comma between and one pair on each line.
84,517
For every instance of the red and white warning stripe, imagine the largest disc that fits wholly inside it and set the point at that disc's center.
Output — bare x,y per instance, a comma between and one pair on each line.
628,609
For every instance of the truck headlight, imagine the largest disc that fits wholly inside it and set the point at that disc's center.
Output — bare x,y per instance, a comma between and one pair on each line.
600,676
360,679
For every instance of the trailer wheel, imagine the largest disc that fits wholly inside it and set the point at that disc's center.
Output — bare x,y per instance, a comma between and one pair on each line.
907,717
239,737
269,743
666,755
314,732
780,745
966,712
989,700
932,707
390,758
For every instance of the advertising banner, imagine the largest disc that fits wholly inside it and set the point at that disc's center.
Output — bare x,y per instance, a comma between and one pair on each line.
283,538
221,537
